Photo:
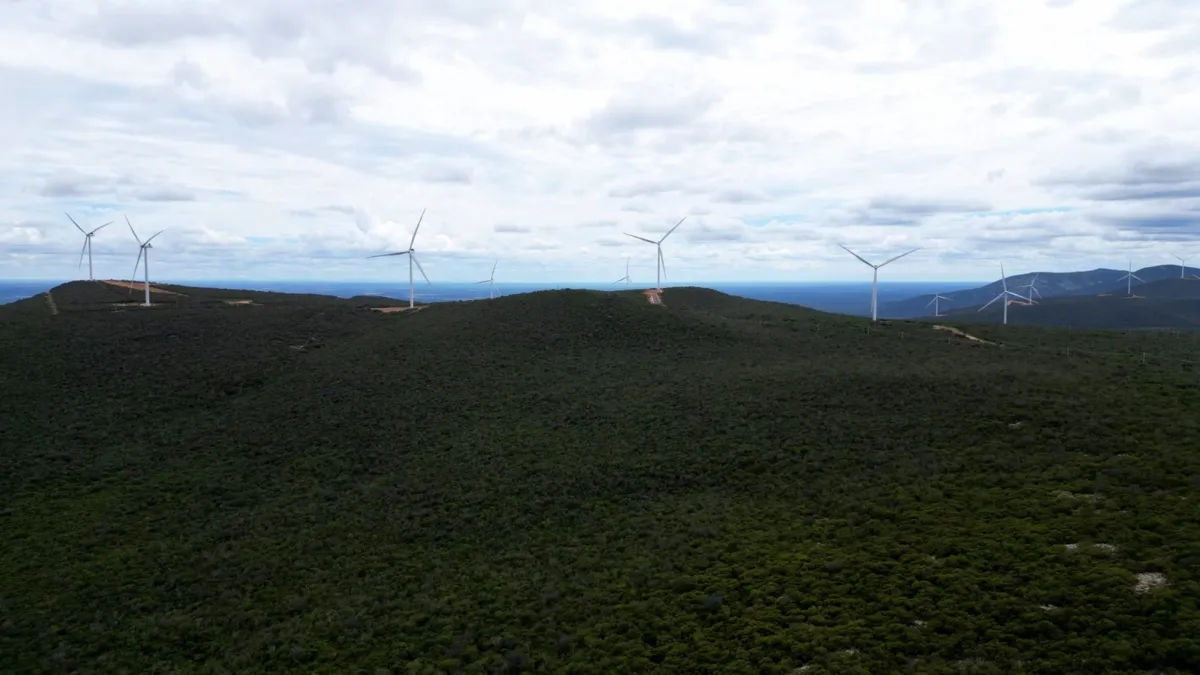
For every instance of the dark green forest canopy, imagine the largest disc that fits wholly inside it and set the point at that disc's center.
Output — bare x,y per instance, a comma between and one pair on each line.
580,482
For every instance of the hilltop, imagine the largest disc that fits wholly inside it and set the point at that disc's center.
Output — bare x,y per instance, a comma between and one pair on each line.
1049,285
581,482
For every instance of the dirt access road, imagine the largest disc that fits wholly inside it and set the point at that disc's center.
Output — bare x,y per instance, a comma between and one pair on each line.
137,286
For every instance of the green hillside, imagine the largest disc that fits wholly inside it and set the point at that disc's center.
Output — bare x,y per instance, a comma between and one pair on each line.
580,482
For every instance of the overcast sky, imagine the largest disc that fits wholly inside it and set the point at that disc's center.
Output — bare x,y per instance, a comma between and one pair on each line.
277,139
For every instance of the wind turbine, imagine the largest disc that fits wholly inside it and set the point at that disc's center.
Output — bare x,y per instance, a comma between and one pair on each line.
1183,263
936,305
87,243
660,267
1128,278
1003,294
625,278
875,277
491,282
412,260
1030,288
143,251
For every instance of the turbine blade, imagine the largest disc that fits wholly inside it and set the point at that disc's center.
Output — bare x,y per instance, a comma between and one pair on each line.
860,258
73,222
384,255
893,259
485,281
932,301
494,270
139,241
418,264
664,237
155,235
81,252
642,238
133,277
1137,277
416,230
662,261
101,227
991,301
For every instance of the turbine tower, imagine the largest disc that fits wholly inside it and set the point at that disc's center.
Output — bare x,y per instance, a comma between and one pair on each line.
1128,279
1031,288
936,304
660,267
412,260
143,251
875,277
491,282
1003,294
1183,263
87,244
625,278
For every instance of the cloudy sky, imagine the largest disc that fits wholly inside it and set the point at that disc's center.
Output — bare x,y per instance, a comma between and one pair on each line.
291,139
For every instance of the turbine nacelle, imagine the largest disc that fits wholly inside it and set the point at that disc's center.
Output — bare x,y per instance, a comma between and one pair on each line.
491,281
660,268
87,244
875,276
412,260
1003,295
143,253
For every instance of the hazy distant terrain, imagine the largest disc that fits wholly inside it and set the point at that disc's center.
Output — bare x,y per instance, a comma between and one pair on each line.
581,482
1171,303
842,297
1048,284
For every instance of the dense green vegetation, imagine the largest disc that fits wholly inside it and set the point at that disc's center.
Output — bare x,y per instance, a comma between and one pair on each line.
580,482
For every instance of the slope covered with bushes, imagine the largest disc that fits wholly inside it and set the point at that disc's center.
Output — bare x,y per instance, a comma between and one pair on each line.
577,481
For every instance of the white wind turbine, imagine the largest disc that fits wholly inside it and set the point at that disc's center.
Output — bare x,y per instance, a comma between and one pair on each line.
87,243
1003,294
1128,279
412,260
491,282
875,277
1182,262
625,278
143,251
936,304
660,267
1031,288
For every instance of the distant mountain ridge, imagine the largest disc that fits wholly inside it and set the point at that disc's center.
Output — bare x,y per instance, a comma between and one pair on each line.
1167,304
1049,285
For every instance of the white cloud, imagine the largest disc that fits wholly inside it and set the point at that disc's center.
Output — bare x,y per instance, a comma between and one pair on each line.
294,140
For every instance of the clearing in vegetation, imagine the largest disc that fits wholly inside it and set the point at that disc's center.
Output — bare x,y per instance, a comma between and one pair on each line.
391,310
138,286
580,482
961,334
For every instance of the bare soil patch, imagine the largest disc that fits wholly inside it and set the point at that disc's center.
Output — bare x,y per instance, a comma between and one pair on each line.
137,286
392,310
240,302
961,334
